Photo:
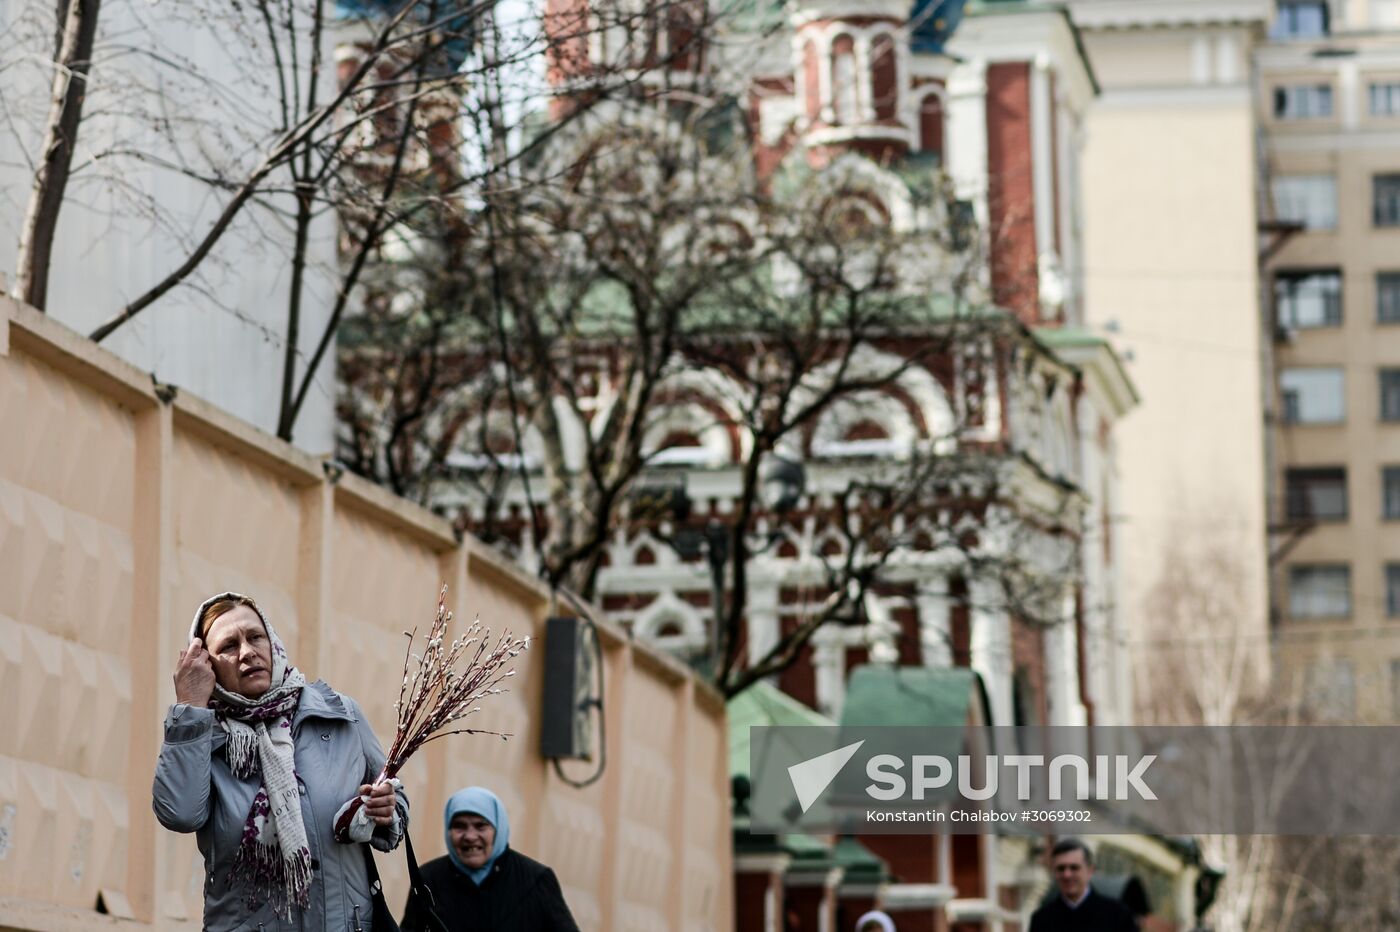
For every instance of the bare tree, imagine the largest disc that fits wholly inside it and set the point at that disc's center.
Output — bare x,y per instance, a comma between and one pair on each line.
288,142
1209,666
634,272
72,62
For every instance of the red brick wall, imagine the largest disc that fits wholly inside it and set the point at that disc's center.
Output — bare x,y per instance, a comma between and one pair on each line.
851,908
800,680
749,892
803,907
1011,204
967,865
911,858
566,23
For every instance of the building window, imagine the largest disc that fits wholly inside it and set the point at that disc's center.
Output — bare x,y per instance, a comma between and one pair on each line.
1319,590
1318,494
1392,590
1390,492
1303,102
1390,394
1385,200
1307,199
1301,19
1385,99
1330,690
1388,297
1308,299
884,79
931,124
1313,396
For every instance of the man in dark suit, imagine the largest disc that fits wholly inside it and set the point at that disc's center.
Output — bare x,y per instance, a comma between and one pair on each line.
1078,908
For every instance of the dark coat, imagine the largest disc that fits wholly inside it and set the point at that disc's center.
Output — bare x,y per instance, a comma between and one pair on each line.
519,895
1096,914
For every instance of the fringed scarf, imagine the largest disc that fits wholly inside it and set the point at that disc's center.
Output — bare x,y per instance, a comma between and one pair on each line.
274,858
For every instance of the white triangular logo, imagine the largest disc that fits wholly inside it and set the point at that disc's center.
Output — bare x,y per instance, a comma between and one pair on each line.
811,777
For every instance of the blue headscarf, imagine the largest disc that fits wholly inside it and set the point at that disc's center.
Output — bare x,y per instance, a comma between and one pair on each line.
483,802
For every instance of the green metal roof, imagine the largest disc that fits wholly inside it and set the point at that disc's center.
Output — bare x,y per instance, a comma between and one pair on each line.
910,696
1062,341
762,704
860,863
857,862
1055,337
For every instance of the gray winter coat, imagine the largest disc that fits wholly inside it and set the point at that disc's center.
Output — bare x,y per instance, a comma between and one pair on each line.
335,753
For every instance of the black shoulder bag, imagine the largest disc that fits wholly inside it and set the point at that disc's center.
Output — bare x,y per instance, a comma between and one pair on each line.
419,896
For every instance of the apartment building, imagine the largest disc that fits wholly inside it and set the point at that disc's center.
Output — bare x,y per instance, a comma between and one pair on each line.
1329,107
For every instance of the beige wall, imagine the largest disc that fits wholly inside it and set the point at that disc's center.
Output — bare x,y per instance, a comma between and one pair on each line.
119,513
1170,271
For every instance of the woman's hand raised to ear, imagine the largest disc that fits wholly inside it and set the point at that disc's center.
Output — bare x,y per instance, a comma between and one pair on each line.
194,675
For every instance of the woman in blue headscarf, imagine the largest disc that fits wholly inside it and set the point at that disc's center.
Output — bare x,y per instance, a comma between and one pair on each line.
482,885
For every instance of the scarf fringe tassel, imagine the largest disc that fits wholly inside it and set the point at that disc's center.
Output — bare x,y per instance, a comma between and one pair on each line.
286,879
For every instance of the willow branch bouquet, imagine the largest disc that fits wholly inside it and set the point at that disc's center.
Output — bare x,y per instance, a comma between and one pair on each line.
440,687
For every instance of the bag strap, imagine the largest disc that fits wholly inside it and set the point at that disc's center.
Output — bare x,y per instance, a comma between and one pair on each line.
415,876
420,890
417,888
381,917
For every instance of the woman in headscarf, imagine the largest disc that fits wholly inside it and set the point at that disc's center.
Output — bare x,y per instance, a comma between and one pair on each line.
483,885
875,921
259,764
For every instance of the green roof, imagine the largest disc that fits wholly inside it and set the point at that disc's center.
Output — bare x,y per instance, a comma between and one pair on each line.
812,855
762,704
1055,337
941,700
910,696
1061,341
859,862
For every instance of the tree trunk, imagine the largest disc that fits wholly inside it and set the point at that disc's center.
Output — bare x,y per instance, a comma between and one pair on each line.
78,30
286,414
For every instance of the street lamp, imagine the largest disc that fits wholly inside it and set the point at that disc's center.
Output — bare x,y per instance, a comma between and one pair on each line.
782,482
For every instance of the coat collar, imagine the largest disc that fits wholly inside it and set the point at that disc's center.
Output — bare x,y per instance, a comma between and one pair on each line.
318,700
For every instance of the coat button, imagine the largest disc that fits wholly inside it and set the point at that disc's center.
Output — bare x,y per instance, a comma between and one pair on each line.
315,864
326,737
302,789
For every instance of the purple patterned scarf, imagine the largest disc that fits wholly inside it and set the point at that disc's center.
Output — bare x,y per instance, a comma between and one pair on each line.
274,858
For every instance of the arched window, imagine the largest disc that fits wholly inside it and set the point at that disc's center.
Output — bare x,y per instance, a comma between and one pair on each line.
845,97
884,79
931,124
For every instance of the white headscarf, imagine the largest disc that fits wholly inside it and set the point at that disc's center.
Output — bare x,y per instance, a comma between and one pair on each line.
886,923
